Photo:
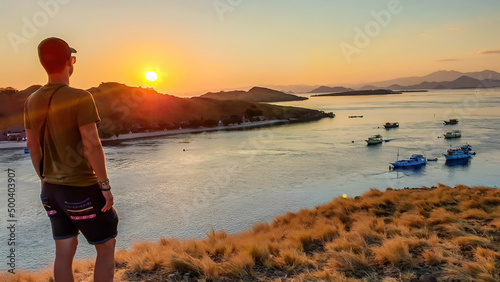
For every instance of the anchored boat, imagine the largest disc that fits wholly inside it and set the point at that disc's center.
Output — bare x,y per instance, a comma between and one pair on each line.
462,152
415,160
375,139
451,121
391,125
453,134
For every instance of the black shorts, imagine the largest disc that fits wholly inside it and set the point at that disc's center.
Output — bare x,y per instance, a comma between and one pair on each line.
72,209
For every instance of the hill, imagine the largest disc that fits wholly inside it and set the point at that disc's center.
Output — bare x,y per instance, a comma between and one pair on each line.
12,105
123,109
256,94
425,234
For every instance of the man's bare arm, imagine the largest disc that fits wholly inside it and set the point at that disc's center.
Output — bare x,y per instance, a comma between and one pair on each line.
92,148
35,150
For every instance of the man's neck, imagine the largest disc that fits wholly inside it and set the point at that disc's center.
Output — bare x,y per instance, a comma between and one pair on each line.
59,79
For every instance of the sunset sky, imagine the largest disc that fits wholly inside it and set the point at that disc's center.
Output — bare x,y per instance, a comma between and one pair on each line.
197,46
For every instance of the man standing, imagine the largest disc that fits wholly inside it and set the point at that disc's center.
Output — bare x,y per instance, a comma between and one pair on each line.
67,154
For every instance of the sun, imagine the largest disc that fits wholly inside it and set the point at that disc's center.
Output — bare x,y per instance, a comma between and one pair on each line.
151,76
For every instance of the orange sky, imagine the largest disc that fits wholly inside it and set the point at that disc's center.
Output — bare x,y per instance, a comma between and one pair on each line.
197,46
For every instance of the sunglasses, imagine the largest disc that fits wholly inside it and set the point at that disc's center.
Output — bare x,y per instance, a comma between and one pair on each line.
73,59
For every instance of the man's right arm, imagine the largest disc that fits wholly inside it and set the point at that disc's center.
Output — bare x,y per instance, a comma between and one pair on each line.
92,148
35,150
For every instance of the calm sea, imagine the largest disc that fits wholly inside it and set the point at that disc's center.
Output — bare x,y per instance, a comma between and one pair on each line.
182,186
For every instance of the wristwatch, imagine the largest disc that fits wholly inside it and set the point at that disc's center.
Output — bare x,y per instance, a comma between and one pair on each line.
104,183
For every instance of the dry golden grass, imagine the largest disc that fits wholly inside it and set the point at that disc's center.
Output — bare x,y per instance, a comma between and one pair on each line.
395,251
397,235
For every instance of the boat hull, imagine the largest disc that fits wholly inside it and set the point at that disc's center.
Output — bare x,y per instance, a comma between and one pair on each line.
458,157
458,162
453,134
462,152
396,165
413,161
388,125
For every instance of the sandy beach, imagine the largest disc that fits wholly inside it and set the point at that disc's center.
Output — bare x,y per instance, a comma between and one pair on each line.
10,145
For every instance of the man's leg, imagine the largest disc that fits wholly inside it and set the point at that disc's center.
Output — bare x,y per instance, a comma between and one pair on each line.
63,264
105,261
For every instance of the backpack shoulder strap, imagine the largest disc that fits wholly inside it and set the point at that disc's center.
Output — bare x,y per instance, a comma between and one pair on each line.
44,127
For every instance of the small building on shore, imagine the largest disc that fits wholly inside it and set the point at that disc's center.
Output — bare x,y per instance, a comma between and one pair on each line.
13,133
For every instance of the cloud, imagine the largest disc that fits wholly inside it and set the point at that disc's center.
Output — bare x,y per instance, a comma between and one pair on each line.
490,52
448,60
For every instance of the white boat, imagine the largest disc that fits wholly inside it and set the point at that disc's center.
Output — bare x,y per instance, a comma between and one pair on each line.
462,152
413,161
375,139
453,134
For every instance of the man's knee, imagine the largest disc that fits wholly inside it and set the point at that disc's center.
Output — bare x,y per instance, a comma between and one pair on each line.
108,246
67,247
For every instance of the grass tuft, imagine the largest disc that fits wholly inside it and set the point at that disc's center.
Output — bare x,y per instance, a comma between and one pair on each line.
394,251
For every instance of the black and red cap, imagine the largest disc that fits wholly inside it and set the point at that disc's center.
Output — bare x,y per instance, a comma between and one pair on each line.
54,49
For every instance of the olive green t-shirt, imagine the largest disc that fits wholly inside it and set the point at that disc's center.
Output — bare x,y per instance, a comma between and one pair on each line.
64,161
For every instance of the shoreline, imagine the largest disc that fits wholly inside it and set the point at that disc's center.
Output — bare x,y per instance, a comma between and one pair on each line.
12,145
143,135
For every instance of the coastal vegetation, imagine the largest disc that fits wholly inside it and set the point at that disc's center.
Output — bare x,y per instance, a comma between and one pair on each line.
424,234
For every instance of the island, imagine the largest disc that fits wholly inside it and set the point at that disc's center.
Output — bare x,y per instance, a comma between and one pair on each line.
361,93
256,94
326,89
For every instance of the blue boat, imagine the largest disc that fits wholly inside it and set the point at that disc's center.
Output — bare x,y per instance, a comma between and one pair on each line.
415,160
462,152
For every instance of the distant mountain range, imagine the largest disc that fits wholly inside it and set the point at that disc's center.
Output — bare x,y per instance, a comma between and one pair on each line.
438,76
462,82
435,80
256,94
